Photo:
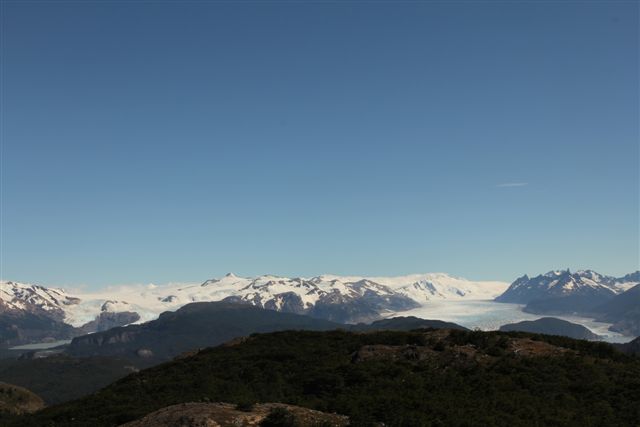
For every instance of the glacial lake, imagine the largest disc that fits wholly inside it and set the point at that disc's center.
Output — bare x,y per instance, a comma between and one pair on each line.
40,346
488,315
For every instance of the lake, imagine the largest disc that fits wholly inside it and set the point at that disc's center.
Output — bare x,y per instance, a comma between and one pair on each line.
40,346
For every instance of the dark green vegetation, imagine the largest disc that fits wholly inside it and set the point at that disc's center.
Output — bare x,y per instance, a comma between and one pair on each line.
429,377
407,323
61,378
96,360
552,326
279,417
207,324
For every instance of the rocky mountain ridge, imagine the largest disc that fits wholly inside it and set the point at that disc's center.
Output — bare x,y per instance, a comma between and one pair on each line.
349,299
584,293
586,284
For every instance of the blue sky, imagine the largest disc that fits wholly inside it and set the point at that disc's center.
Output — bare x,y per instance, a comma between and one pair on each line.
176,141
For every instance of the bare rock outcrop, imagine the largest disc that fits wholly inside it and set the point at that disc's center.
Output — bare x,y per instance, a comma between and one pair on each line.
228,415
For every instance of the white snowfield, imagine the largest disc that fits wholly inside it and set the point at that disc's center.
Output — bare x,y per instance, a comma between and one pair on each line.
151,300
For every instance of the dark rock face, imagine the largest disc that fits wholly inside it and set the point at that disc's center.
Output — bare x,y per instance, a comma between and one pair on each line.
577,304
112,336
288,302
552,326
108,320
623,311
18,328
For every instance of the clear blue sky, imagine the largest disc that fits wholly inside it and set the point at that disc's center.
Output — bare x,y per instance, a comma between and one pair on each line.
176,141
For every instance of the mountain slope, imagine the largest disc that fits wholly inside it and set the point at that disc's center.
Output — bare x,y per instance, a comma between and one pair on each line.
629,280
18,400
552,326
408,323
206,324
95,360
193,326
31,313
396,378
623,311
61,378
632,347
337,298
592,288
22,327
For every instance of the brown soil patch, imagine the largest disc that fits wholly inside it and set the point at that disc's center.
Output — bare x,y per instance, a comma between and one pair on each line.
226,415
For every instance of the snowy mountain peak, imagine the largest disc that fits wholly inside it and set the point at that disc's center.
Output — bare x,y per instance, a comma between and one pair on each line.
15,296
115,306
340,298
555,273
562,283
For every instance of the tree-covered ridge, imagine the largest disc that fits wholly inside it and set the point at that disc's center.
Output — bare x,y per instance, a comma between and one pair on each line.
429,377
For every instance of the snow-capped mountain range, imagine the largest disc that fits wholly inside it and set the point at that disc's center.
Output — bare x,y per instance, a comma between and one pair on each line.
31,313
340,298
585,284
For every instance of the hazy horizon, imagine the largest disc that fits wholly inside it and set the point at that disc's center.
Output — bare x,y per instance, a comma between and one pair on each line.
98,287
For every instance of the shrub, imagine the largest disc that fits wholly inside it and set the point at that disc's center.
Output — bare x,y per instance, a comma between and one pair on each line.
279,417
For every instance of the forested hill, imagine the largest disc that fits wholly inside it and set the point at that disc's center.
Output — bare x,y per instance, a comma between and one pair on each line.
428,377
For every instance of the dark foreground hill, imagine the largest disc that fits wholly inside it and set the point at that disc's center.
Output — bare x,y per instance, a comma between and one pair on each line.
552,326
429,377
61,378
94,361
